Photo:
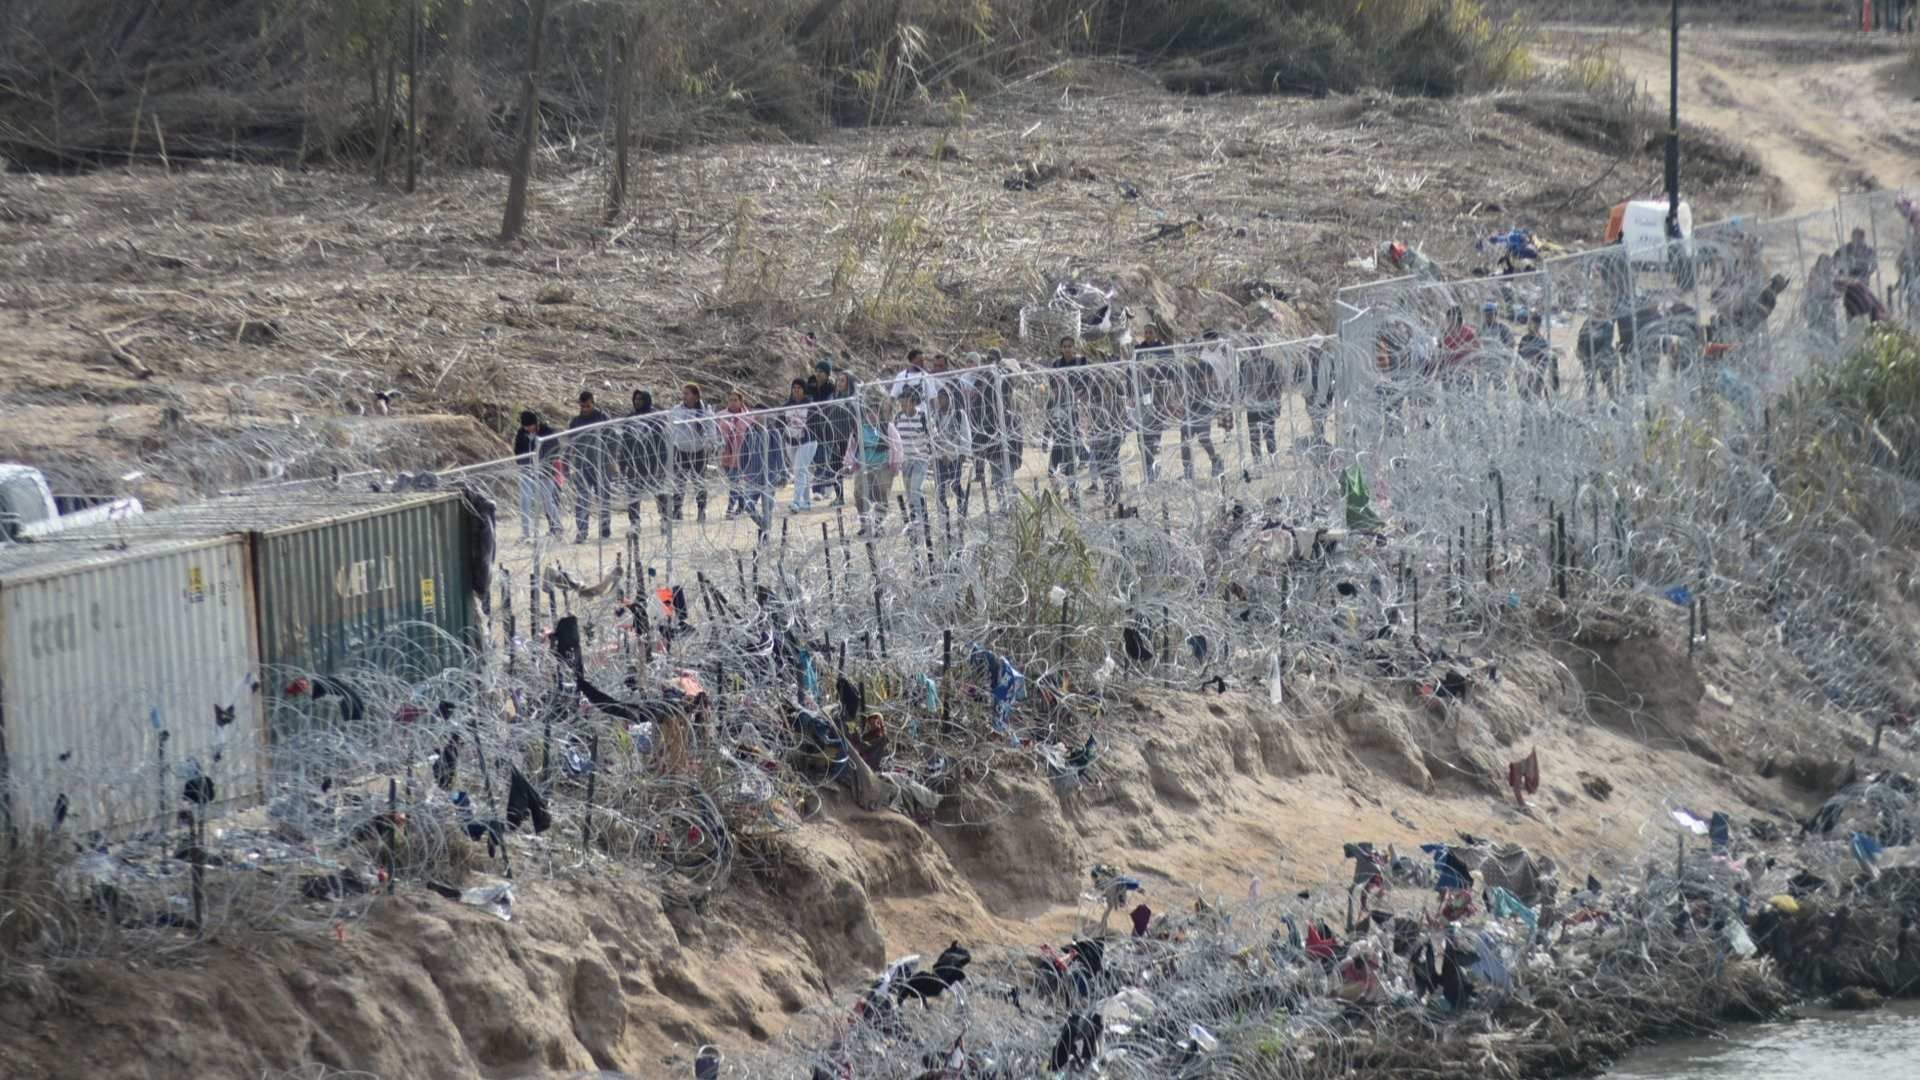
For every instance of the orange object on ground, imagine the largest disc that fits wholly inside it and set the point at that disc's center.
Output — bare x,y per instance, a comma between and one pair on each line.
1616,223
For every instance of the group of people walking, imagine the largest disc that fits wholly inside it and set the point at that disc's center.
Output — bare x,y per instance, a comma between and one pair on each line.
651,451
954,428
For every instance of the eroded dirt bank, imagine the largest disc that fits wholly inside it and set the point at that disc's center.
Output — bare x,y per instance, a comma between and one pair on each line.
1197,795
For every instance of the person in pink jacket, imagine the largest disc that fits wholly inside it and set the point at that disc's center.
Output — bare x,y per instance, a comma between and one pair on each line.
733,435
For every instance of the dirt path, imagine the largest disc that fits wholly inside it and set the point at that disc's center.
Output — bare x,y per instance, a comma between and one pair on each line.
1816,106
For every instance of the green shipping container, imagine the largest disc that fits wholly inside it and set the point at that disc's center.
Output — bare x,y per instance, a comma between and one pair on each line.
382,588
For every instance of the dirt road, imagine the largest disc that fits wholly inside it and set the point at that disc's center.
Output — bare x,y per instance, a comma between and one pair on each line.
1819,107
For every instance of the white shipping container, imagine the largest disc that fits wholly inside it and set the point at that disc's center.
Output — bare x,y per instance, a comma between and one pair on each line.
121,672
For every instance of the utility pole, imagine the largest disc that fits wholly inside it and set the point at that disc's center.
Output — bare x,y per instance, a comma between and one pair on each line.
1673,123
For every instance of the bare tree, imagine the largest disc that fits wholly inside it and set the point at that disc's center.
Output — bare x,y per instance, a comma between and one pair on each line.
413,87
622,96
516,218
385,113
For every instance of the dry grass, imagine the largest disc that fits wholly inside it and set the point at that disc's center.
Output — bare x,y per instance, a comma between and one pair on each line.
262,298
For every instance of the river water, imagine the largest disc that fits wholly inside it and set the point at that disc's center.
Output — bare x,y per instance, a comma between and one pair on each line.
1881,1044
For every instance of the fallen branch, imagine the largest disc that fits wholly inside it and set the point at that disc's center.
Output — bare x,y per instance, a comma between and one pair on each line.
120,355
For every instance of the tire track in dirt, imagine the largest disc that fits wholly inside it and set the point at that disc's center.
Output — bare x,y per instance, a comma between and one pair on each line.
1815,106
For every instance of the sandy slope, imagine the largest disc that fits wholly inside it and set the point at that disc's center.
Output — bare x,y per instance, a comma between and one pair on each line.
1197,796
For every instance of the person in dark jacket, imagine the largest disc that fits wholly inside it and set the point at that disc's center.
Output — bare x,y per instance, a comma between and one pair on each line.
1315,377
535,448
996,431
841,425
820,425
587,459
1593,346
1260,381
1066,408
645,458
762,468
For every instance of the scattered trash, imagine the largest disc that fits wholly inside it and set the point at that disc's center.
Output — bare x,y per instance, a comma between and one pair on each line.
1690,823
1596,786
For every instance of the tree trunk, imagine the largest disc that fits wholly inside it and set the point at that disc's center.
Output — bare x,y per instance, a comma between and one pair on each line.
384,117
516,216
59,135
623,95
413,91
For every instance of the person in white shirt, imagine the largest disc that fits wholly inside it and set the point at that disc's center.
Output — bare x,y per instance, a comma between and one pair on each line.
801,445
691,430
912,377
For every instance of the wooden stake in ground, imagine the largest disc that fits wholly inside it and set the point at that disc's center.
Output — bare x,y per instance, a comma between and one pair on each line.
516,215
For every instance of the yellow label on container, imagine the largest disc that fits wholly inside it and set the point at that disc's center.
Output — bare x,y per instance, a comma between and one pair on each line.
426,593
196,585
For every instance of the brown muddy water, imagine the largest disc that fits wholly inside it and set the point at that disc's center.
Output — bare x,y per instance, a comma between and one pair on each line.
1882,1044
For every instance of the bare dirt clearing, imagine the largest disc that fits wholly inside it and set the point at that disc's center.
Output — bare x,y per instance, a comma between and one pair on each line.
1813,104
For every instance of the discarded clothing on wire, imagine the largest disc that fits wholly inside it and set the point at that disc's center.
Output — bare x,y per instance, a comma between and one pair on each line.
808,675
1450,872
825,740
1721,832
1321,944
1067,769
1523,776
1866,851
1142,917
1533,880
1113,886
1492,967
1369,866
1004,683
1505,905
1690,823
1456,904
524,803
